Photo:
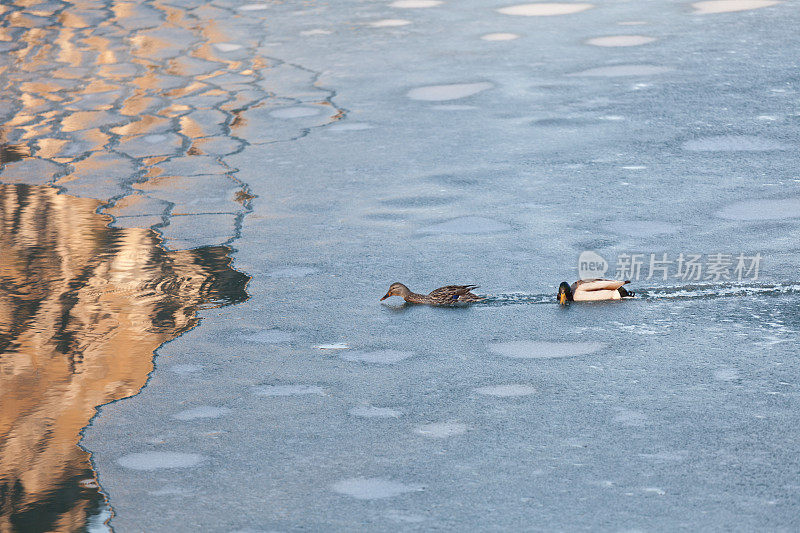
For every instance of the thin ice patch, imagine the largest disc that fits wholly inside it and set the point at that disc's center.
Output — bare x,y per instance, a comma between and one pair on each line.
734,143
373,488
622,71
389,23
158,460
288,390
544,350
369,411
201,411
441,430
507,391
777,209
295,112
620,40
333,346
467,226
729,6
453,91
500,36
415,4
544,9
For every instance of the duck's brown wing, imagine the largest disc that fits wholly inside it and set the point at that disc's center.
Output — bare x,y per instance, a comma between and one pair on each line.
598,284
455,293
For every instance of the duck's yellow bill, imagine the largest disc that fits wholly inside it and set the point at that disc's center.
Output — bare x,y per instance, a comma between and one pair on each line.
562,298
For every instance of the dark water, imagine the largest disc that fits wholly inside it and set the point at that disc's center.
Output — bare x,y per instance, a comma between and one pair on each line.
9,153
82,308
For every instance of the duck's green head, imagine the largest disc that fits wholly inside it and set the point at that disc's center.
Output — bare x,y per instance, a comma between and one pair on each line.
564,293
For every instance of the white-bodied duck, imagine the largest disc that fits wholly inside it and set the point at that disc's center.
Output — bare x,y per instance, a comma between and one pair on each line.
592,290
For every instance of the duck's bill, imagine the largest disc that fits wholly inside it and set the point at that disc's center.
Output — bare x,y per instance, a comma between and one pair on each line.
387,295
562,299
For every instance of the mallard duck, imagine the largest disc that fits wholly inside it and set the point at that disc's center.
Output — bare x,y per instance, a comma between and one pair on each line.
448,295
587,290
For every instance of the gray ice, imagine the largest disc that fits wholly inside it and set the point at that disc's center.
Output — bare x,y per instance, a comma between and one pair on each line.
201,411
158,460
384,357
288,390
544,350
373,488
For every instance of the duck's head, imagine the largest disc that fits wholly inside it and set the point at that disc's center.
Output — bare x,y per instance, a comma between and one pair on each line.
564,293
397,289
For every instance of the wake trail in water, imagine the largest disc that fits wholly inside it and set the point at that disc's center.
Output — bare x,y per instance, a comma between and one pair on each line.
682,292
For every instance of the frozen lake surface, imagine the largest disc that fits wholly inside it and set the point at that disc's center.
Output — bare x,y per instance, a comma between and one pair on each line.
334,148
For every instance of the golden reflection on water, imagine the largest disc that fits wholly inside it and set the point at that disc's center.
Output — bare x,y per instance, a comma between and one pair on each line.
82,308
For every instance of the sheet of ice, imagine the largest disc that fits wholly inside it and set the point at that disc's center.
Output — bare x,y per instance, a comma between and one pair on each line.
441,430
334,346
453,91
185,369
253,7
620,40
169,490
500,37
158,460
350,126
728,6
453,107
643,228
295,112
269,336
467,226
201,411
288,390
507,391
767,209
676,456
369,411
544,9
292,272
544,350
374,488
403,517
734,143
389,23
384,357
415,4
630,418
727,374
623,70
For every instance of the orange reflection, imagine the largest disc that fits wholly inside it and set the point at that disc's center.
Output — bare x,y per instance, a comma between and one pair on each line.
82,308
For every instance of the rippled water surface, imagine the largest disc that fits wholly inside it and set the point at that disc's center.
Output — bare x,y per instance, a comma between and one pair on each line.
83,308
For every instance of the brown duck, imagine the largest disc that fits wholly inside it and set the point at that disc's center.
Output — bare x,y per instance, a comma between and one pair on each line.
449,295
